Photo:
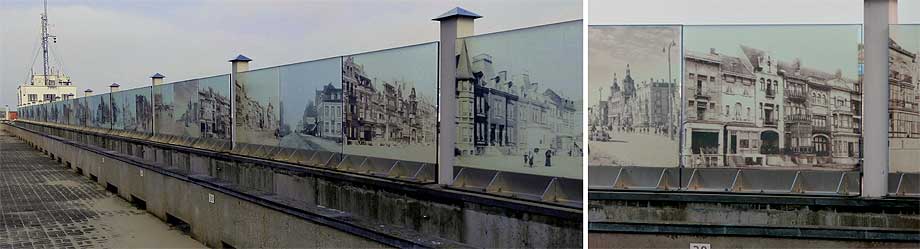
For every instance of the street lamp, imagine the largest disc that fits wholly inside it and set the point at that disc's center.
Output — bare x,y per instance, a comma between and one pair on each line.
670,89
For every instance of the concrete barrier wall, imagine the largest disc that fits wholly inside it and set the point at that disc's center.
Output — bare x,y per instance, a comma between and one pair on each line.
258,204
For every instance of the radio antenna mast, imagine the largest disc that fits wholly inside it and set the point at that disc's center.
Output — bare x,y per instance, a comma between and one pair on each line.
46,67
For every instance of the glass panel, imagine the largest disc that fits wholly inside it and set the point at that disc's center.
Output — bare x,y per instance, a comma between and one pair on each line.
772,96
903,106
137,110
82,112
163,104
118,109
311,105
257,106
634,98
391,103
520,101
96,109
214,107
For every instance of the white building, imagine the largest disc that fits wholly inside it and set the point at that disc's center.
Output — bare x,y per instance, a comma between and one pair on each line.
39,90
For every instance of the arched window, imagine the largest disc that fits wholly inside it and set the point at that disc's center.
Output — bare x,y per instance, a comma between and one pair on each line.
820,143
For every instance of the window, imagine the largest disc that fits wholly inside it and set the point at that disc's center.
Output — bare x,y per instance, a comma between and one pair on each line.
33,97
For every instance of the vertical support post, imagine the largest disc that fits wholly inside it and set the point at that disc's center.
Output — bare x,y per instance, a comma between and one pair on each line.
155,80
237,65
875,86
455,23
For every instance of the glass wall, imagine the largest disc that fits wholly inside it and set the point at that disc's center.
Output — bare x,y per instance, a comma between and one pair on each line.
391,103
520,101
214,107
257,106
176,107
634,95
903,104
780,96
311,105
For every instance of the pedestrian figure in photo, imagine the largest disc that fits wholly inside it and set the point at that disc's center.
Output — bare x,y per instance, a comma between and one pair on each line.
532,155
525,159
549,155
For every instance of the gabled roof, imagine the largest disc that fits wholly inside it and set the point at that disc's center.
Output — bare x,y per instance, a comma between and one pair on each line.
456,12
753,56
464,71
735,66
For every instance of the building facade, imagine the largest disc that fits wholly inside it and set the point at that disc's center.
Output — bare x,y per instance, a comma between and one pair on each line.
329,113
384,113
45,88
755,110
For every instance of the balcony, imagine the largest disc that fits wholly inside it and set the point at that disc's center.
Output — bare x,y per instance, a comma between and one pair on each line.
902,80
797,95
700,94
770,122
798,118
771,93
822,129
902,105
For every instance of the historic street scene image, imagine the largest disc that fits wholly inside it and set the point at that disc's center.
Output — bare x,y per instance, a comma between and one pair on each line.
139,110
214,107
390,101
256,94
311,105
163,106
634,95
99,107
519,106
903,103
772,96
185,103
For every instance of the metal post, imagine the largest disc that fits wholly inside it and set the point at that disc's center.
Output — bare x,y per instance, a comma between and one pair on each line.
455,23
875,86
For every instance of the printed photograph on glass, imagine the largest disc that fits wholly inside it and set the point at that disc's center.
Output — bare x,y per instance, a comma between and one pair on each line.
214,107
312,105
519,97
391,103
903,93
633,97
257,107
782,96
163,106
137,109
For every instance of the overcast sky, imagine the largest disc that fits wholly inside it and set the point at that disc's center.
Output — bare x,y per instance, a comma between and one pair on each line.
107,41
643,48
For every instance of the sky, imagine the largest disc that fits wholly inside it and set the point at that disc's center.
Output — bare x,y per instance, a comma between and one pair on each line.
823,47
106,41
416,66
300,82
611,48
546,53
698,12
907,36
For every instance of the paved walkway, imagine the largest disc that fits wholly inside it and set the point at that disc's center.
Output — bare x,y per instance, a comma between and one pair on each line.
45,205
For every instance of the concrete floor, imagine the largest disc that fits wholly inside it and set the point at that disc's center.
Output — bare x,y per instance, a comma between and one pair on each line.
43,204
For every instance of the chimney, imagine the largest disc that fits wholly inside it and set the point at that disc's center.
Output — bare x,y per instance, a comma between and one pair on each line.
157,79
240,64
88,92
113,87
712,51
